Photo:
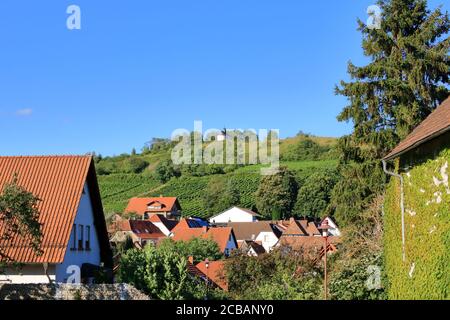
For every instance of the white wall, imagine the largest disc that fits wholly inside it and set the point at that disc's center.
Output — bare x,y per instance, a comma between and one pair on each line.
34,273
233,215
85,217
163,228
28,274
268,240
335,230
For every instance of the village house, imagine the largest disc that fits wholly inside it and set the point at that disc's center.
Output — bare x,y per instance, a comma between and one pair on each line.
224,236
215,272
416,210
211,273
262,233
169,207
251,248
305,235
140,232
234,214
71,214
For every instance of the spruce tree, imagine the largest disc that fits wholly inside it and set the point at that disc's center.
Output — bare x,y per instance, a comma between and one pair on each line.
406,79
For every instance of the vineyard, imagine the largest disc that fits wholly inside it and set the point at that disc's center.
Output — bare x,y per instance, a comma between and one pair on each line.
117,189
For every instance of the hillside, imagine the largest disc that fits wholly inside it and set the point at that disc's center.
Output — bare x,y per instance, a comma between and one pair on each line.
126,176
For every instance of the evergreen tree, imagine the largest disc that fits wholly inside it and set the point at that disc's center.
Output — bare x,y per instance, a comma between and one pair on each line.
404,82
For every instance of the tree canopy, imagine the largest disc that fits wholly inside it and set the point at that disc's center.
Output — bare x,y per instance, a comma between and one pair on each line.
406,79
276,194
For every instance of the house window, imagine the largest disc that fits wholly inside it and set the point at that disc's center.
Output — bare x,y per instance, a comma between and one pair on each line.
80,236
227,252
74,236
88,238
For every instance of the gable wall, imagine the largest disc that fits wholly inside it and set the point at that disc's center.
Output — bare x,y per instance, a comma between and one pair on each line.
85,217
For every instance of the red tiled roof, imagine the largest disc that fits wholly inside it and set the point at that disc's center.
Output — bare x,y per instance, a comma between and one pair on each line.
194,271
140,205
141,228
307,243
434,125
215,272
295,228
58,181
219,235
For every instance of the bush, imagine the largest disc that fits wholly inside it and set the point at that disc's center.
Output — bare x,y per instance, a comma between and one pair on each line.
276,276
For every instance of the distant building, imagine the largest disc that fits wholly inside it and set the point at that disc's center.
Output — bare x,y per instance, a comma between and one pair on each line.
304,235
224,237
234,214
73,225
215,273
169,207
164,224
264,233
251,248
141,233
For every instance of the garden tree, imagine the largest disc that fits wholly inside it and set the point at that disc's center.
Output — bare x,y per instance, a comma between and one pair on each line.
280,275
314,196
276,194
19,216
166,171
135,165
404,82
198,248
133,152
162,273
220,195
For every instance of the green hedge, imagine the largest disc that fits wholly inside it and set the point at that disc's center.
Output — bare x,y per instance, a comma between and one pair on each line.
426,272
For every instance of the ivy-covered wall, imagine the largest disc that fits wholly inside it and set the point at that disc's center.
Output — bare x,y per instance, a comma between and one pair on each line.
426,272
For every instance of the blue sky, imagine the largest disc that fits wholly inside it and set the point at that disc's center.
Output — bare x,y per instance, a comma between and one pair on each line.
143,68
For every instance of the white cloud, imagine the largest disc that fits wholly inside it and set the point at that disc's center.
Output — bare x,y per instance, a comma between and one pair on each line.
24,112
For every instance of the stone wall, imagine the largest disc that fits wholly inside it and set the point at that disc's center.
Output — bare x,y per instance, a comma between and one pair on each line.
70,292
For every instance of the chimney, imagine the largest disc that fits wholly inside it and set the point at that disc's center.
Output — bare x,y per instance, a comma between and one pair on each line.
191,259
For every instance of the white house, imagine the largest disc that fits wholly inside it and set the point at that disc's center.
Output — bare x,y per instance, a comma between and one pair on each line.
73,225
234,214
261,232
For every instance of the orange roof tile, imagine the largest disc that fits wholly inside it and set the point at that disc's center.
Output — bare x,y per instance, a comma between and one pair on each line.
219,235
141,205
435,124
215,272
59,182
